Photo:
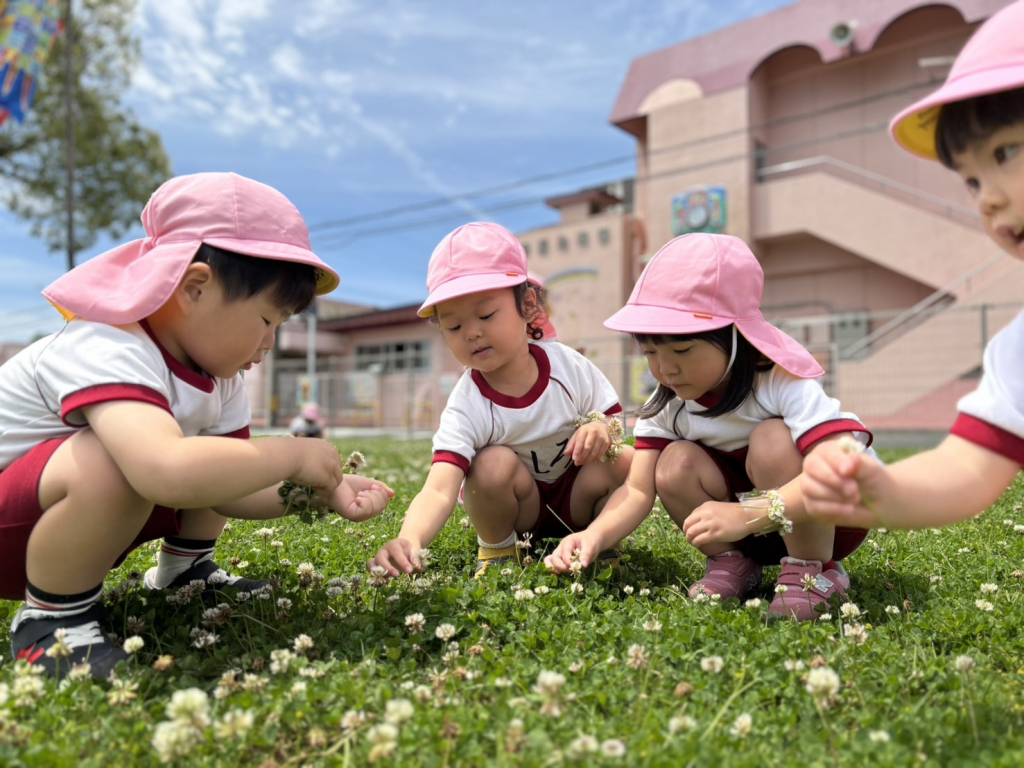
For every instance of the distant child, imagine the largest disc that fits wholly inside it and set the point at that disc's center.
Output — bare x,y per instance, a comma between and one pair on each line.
307,423
974,125
736,408
550,334
526,425
132,423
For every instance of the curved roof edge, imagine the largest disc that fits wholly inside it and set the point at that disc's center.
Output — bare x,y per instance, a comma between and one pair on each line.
727,57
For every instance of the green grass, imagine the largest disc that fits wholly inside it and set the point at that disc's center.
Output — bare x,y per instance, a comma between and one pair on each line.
902,700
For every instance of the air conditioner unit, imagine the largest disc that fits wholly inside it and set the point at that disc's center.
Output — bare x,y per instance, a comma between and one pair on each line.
841,34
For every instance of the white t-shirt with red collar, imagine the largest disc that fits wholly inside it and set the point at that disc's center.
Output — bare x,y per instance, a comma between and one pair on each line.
993,415
538,425
45,386
802,404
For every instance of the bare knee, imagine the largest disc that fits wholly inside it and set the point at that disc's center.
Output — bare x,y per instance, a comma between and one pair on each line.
678,467
83,467
772,457
494,466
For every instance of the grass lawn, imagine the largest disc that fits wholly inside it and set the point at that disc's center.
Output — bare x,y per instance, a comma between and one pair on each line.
523,668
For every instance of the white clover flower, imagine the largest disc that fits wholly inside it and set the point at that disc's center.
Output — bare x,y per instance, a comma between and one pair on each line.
549,683
644,592
397,711
653,625
27,689
849,444
989,589
202,638
856,633
351,720
280,661
383,734
741,726
173,739
879,737
277,544
415,622
637,657
422,694
793,665
584,745
444,631
892,610
378,576
984,605
133,644
627,589
849,611
302,644
781,589
576,588
234,725
964,663
5,694
934,578
613,748
541,590
502,682
523,594
284,604
712,664
825,617
298,689
681,723
190,705
82,671
305,569
753,603
422,556
823,683
505,572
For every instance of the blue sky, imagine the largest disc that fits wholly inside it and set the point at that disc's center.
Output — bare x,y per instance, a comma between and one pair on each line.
352,107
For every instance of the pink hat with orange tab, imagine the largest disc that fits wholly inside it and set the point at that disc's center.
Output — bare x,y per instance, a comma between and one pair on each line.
474,258
225,210
990,62
698,283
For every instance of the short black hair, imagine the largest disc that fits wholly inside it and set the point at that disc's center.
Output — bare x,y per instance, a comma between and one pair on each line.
292,285
748,363
962,123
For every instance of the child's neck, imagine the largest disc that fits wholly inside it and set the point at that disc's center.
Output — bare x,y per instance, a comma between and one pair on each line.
516,377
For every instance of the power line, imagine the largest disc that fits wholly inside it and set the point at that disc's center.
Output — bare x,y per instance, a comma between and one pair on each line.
552,175
344,240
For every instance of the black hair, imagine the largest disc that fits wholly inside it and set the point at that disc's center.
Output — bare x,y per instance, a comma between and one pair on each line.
535,316
292,285
962,123
748,363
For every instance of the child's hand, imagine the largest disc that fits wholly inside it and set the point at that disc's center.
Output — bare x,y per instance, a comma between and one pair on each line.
716,522
589,443
359,498
842,487
320,467
396,557
584,542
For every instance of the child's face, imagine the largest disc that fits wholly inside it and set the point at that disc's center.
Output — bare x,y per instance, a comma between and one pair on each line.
483,330
993,171
691,369
223,338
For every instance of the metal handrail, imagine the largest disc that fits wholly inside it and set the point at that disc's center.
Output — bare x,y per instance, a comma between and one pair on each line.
919,308
809,162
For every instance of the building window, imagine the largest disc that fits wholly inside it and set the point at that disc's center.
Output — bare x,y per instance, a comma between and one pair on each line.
542,247
526,248
604,236
583,238
563,243
398,357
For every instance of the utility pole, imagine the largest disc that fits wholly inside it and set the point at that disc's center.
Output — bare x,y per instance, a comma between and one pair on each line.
69,131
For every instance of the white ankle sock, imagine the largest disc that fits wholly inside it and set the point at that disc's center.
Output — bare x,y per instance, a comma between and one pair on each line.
505,543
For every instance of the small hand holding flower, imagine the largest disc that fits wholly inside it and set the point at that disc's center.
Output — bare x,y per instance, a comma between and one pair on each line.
359,498
597,438
580,548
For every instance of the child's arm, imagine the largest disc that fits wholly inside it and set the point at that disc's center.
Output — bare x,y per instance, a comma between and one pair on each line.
171,470
356,498
953,482
427,514
626,509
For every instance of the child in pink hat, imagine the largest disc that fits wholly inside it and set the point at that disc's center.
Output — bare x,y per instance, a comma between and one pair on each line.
526,426
307,423
737,408
974,125
132,422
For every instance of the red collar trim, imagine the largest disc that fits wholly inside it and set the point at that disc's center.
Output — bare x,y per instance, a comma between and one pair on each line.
708,401
197,379
507,401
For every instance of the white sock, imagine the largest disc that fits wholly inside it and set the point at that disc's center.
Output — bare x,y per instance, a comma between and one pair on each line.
505,543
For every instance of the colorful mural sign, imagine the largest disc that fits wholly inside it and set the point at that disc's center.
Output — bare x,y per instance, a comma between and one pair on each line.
27,31
700,209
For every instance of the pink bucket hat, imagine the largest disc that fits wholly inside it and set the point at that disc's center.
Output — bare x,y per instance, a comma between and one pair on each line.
225,210
991,61
700,282
475,257
310,412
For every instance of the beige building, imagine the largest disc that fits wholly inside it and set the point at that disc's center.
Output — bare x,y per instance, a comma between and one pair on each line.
773,130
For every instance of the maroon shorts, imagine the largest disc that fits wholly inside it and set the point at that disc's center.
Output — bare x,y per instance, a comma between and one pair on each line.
20,511
555,520
770,548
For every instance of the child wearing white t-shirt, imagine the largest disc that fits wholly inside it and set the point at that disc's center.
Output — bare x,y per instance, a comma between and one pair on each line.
526,426
132,424
736,408
973,124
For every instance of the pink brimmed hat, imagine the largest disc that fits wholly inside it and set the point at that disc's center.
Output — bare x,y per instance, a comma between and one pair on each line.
991,61
698,283
225,210
475,257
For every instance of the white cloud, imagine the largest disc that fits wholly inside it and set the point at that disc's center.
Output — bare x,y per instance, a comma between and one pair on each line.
287,61
232,17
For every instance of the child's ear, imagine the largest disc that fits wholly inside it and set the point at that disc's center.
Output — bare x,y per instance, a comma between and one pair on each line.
197,279
531,305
